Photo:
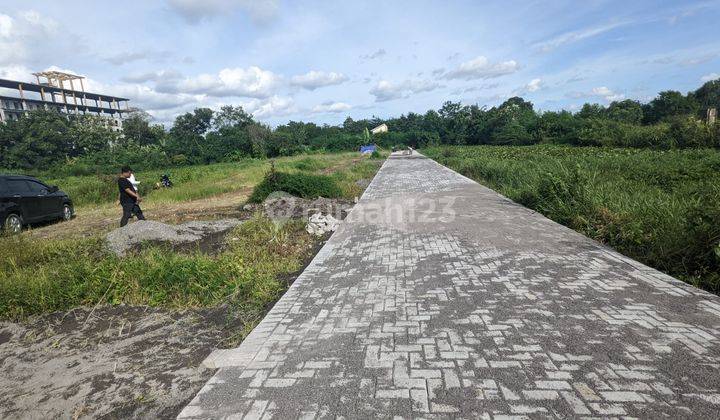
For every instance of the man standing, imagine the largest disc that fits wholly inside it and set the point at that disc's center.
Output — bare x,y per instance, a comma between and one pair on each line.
129,197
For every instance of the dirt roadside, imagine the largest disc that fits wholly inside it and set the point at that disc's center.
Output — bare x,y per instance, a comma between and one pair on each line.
100,220
113,362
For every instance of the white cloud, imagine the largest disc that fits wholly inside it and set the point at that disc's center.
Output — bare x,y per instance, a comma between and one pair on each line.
6,26
482,68
271,107
386,91
702,59
28,36
194,11
575,36
316,79
142,96
534,85
252,82
377,54
607,94
15,72
328,107
129,57
151,76
710,77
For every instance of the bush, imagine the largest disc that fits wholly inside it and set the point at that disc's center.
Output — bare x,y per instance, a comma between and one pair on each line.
562,196
689,132
653,136
299,184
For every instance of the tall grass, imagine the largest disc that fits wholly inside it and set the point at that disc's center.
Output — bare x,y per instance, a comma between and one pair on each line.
44,276
659,207
192,182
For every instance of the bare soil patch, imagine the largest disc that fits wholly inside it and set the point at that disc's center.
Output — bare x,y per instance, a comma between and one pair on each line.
111,362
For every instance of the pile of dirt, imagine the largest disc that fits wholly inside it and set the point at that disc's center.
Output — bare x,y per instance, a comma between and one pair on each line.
112,361
190,234
282,206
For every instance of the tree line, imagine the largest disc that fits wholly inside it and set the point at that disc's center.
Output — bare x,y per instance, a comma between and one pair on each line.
45,139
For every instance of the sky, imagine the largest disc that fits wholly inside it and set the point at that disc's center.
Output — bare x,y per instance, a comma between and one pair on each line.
323,61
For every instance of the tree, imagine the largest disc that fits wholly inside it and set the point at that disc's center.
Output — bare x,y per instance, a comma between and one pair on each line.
558,127
230,116
479,127
91,134
187,134
589,111
708,96
9,137
42,140
197,122
513,122
668,104
627,111
136,129
259,136
455,119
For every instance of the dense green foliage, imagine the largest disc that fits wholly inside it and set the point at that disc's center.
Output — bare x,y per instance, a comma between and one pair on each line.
82,145
298,184
44,276
659,207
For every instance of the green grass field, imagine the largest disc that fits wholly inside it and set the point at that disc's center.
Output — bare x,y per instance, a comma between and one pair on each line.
39,275
659,207
195,182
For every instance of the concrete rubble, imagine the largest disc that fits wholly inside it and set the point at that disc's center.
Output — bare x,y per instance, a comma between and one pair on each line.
283,206
319,224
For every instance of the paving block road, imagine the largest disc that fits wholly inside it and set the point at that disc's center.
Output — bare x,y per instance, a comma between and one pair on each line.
438,298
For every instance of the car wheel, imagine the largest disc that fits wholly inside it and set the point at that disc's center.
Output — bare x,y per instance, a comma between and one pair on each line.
13,224
67,213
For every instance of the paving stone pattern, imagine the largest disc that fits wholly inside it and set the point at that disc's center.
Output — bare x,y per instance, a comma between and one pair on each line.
438,297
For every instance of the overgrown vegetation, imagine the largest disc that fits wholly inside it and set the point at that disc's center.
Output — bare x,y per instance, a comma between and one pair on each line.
84,145
45,276
659,207
200,181
40,276
299,184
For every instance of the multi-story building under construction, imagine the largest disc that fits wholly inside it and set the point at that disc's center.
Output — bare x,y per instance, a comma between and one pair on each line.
63,92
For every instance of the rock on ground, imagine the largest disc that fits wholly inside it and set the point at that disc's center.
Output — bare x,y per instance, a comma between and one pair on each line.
320,224
131,237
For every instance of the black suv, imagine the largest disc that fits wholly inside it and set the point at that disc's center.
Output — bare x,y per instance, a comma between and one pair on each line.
25,200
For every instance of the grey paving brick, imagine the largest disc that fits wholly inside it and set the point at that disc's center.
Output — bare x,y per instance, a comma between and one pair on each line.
439,298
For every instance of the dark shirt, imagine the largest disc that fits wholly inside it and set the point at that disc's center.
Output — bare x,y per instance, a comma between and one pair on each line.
124,183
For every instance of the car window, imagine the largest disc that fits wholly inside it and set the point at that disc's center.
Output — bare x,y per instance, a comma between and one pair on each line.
37,187
17,186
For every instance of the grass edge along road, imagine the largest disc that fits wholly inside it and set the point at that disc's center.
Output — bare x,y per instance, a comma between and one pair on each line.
40,276
658,207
